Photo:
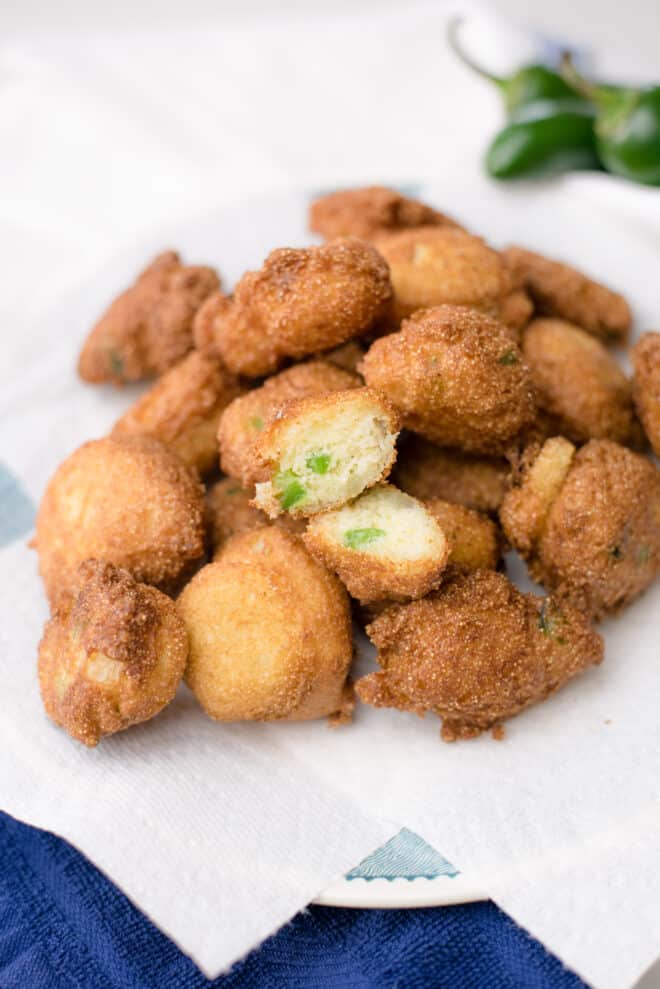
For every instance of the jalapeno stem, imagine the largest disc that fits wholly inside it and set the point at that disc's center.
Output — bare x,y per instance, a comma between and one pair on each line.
452,38
615,101
570,74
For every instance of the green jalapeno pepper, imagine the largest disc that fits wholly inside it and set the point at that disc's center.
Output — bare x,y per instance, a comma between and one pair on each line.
528,85
627,126
550,127
546,137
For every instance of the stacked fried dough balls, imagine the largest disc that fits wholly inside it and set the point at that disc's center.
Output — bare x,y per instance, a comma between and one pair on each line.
376,420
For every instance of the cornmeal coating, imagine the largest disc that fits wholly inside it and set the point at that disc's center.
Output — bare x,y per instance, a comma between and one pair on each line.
211,309
183,410
562,291
347,356
384,544
588,523
148,328
434,266
578,384
369,211
646,386
270,633
476,652
425,470
457,376
475,541
127,500
320,452
112,655
302,301
230,511
245,418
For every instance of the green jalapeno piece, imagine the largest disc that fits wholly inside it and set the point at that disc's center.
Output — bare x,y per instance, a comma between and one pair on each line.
356,538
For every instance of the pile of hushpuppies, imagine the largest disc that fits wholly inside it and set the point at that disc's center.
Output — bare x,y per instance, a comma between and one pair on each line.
390,411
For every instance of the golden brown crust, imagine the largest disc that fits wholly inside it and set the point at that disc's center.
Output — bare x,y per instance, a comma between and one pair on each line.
231,512
346,356
148,328
562,291
127,500
434,266
475,541
427,471
183,410
476,652
370,211
597,540
245,418
303,300
646,386
457,377
112,655
578,384
211,309
265,597
539,476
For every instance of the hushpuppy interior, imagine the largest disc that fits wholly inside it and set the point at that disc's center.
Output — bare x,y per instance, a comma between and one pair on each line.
384,523
327,455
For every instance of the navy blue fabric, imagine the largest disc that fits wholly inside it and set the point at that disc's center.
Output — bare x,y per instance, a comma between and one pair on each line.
63,925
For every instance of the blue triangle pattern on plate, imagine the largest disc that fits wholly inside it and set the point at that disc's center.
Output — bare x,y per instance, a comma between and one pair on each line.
405,856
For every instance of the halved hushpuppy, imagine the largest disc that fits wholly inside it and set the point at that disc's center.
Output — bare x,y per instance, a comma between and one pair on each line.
321,452
384,544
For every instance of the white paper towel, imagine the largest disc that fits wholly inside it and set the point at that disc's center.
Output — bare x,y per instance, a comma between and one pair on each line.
200,822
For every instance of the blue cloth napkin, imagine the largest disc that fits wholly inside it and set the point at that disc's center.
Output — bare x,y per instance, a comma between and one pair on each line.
63,925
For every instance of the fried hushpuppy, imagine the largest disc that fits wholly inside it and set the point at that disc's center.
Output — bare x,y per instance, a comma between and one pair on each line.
245,418
434,266
148,328
384,544
346,356
578,384
425,470
230,511
646,386
475,543
302,301
321,452
204,323
369,211
476,652
562,291
457,377
587,523
270,632
112,655
183,410
474,540
127,500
